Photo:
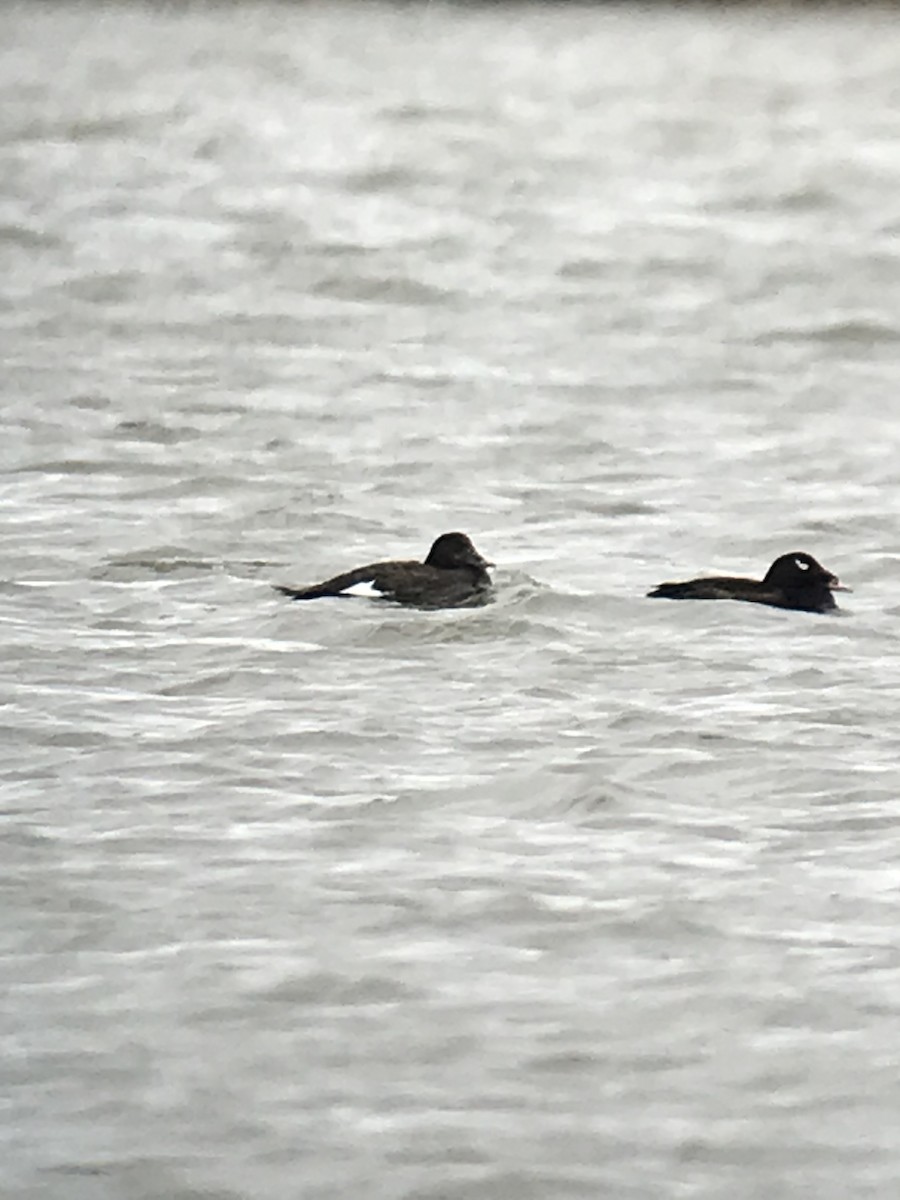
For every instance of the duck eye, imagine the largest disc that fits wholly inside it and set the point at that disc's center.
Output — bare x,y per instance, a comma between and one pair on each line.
804,566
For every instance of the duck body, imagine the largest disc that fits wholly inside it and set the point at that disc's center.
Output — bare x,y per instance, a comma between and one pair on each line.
454,575
795,581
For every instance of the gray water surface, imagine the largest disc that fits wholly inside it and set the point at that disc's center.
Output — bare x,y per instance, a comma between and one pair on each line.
577,895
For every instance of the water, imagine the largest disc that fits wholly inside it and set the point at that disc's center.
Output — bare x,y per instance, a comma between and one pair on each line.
576,895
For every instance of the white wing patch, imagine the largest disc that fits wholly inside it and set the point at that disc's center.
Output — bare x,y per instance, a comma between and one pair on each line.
366,588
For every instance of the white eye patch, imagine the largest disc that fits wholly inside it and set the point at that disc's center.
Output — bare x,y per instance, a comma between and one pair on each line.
798,562
366,589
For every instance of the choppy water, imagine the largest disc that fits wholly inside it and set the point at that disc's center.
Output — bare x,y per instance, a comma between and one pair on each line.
577,895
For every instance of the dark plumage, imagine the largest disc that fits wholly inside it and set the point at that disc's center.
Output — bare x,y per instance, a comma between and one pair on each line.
453,575
793,581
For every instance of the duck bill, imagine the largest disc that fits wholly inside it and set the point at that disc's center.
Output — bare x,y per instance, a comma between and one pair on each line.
836,586
475,560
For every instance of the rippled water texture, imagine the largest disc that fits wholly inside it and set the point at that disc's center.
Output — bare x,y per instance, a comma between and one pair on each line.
578,895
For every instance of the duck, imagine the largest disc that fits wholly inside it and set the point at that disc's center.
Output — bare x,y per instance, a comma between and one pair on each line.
796,581
453,575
